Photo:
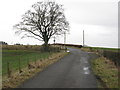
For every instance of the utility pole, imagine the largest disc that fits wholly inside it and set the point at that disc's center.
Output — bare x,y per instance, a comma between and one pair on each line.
83,38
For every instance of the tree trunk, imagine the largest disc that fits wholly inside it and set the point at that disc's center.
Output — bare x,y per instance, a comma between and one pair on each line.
46,47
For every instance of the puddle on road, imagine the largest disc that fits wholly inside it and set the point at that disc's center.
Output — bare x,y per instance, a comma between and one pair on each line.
68,51
86,70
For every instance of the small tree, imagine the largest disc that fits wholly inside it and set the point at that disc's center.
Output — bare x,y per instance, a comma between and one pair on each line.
43,21
3,43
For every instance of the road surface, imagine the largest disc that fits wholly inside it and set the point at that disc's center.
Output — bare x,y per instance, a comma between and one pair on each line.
72,71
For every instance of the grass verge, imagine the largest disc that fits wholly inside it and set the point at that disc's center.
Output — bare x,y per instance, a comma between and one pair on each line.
17,78
106,73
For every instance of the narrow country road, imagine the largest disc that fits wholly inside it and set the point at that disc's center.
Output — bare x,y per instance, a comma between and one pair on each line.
72,71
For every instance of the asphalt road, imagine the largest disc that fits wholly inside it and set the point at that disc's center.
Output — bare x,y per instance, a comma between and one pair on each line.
72,71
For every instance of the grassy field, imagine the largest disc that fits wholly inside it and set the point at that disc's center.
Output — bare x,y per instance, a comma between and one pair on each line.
25,56
106,72
13,54
100,48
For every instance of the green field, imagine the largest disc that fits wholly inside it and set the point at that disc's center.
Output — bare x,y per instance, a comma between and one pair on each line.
101,48
13,57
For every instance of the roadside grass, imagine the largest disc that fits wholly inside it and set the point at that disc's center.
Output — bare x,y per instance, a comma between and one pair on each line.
86,49
25,56
106,72
112,54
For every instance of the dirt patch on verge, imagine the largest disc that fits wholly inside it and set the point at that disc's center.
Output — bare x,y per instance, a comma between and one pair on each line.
17,78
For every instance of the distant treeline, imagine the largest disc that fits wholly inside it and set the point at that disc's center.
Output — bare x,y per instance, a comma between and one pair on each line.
21,47
79,46
3,43
31,47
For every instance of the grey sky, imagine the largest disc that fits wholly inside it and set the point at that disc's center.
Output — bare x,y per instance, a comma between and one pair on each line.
99,19
95,13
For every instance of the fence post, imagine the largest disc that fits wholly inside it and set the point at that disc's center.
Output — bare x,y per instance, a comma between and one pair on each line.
35,60
8,69
20,66
28,63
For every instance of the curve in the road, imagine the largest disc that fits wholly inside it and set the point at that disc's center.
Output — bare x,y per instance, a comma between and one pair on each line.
72,71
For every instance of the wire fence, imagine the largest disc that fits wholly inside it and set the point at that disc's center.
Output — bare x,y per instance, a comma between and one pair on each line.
21,63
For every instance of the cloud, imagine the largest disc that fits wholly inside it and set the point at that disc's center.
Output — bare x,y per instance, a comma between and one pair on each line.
103,13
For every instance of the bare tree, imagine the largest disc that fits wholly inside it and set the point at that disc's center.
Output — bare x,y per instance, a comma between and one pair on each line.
44,20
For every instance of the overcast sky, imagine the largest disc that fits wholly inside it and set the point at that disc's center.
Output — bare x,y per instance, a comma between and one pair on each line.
98,19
